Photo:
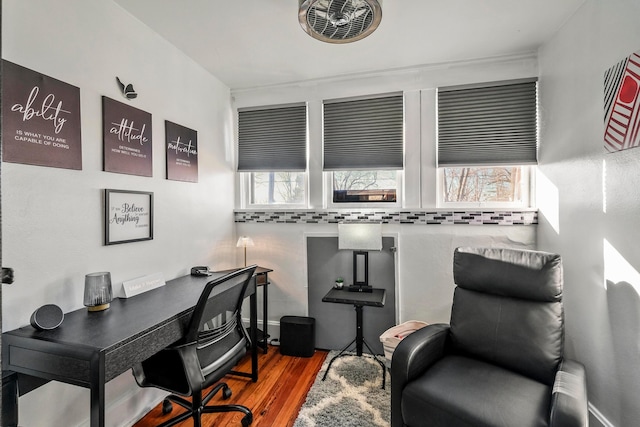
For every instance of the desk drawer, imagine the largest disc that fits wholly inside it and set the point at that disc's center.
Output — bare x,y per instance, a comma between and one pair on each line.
143,346
48,365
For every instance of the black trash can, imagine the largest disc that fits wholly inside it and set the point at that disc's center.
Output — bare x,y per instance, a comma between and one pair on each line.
297,336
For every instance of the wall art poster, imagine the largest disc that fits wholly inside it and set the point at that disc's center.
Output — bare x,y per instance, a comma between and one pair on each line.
128,216
127,139
40,119
622,104
182,152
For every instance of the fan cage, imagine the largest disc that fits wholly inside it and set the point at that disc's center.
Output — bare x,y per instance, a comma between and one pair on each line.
339,21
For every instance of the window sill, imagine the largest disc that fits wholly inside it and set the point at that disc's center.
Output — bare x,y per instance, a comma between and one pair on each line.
390,216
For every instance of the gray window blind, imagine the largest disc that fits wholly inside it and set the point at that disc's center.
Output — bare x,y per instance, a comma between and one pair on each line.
272,139
492,125
364,133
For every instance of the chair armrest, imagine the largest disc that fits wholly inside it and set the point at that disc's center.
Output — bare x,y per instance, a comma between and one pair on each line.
569,397
412,357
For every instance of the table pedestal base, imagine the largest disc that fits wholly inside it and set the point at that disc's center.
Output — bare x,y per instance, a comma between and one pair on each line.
358,341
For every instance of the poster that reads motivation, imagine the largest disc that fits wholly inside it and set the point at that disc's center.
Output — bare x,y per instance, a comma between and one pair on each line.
127,139
182,152
40,119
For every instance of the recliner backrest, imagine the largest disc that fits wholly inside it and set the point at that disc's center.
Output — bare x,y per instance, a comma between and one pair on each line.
507,309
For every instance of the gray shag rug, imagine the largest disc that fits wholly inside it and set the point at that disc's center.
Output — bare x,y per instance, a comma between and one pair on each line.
351,396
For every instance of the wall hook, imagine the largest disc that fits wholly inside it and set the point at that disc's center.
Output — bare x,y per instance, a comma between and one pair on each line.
127,90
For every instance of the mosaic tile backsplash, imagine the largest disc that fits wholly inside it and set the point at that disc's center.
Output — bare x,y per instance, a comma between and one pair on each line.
390,217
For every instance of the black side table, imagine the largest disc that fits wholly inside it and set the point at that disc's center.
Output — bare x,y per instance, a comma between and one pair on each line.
375,298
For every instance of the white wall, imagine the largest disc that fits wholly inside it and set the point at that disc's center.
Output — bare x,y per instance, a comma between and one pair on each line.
425,252
589,205
424,263
52,218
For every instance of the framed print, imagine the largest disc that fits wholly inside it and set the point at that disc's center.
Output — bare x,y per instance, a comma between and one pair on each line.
182,152
128,216
126,133
622,104
40,119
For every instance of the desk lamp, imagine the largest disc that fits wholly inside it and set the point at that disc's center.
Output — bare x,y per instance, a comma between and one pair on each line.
243,242
360,238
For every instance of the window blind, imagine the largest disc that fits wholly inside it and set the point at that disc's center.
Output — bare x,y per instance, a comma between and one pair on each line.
490,125
364,134
272,139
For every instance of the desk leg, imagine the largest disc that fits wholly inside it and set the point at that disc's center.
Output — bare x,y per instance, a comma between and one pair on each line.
253,321
265,332
359,333
9,400
97,391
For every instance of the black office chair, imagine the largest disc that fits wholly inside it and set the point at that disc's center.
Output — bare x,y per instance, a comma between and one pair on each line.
500,362
214,343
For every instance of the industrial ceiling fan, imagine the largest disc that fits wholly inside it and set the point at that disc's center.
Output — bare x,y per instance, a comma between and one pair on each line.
339,21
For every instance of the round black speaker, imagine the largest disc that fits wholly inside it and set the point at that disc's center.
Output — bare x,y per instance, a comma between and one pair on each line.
49,316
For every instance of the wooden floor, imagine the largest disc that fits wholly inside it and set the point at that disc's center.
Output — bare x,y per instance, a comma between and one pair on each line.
283,383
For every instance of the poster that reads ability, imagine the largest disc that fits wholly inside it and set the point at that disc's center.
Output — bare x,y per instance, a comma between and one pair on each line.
40,119
127,139
182,152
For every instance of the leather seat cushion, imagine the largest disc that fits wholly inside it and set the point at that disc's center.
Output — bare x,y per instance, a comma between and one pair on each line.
461,392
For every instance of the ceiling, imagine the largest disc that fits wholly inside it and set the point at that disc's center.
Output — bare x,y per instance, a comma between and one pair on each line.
255,43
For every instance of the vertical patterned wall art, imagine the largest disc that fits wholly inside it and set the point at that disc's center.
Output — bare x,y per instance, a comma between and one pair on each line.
622,104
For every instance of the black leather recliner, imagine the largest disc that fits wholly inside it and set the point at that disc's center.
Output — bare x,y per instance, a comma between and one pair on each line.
500,360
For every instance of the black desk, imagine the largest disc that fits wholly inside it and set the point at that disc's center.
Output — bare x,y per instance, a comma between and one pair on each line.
89,349
375,298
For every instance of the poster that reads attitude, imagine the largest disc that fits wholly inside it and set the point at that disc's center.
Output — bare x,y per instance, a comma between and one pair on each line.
40,119
127,139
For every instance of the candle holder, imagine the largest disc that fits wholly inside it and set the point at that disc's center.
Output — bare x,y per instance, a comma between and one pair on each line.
98,293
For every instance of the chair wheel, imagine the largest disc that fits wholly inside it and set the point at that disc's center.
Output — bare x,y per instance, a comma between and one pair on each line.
226,393
247,420
167,406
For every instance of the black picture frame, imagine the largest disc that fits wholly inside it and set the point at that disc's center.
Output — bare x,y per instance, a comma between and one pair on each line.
128,216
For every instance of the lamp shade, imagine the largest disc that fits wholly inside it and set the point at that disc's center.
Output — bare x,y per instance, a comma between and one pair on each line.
360,237
244,241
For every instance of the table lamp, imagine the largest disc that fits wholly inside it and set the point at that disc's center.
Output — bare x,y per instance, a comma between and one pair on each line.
360,238
98,293
243,242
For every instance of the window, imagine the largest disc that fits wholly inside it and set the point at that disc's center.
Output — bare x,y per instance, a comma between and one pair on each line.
272,154
486,138
363,153
481,186
277,188
364,186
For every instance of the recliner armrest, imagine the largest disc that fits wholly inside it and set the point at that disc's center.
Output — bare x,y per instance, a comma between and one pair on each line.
414,355
569,399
